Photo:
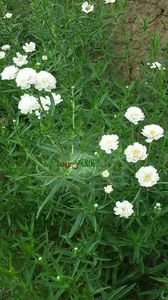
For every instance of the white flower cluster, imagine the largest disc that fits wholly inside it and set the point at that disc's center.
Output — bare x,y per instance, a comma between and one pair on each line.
156,65
147,176
29,104
28,77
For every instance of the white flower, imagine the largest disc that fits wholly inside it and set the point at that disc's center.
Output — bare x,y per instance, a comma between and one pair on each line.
152,132
2,54
108,189
87,7
134,114
5,47
45,81
20,59
96,205
44,57
109,142
147,176
28,104
123,209
155,65
9,73
157,207
29,47
45,102
135,152
110,1
25,78
105,173
57,98
8,15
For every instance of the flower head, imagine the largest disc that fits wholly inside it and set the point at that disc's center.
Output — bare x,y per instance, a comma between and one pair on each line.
87,7
45,81
29,47
25,78
2,54
134,114
5,47
9,73
8,15
28,104
105,173
108,189
152,132
57,98
45,102
147,176
155,65
123,209
157,207
110,1
44,57
109,142
20,59
135,152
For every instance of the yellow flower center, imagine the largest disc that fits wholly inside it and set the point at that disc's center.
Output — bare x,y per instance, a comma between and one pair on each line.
135,152
152,132
109,143
147,177
88,7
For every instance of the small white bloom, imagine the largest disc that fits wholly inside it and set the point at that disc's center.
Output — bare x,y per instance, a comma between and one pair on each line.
45,102
28,104
8,15
44,57
135,152
25,78
76,249
58,278
109,142
96,205
152,132
155,65
157,207
134,114
123,209
38,64
147,176
5,47
29,47
87,7
20,59
9,73
40,258
57,98
110,1
2,54
108,189
105,173
45,81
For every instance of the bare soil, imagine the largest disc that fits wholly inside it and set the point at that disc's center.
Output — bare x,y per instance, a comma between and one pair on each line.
143,19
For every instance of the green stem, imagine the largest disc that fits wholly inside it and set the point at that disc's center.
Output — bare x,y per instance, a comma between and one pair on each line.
73,119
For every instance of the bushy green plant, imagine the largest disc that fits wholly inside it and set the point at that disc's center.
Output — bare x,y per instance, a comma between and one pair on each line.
60,237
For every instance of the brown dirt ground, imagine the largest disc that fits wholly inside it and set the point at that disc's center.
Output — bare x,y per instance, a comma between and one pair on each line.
155,12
